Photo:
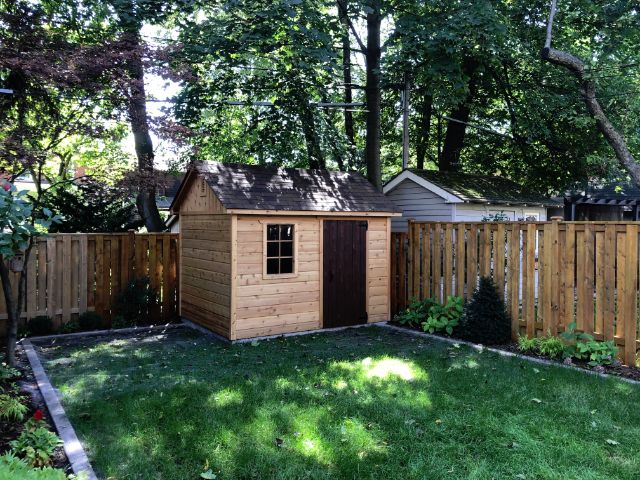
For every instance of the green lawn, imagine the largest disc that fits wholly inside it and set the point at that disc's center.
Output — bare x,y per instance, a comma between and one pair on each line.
365,403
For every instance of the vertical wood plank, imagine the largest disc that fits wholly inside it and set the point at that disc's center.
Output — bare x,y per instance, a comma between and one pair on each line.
528,299
460,259
588,277
114,265
544,294
100,287
402,272
499,253
581,294
568,267
84,274
437,262
74,266
52,281
394,274
608,328
448,260
166,272
41,245
514,279
66,278
472,260
621,271
31,294
426,260
485,250
631,295
600,283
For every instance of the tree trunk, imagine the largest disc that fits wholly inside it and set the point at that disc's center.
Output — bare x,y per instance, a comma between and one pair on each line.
146,199
372,95
588,92
454,137
314,152
424,127
13,305
346,71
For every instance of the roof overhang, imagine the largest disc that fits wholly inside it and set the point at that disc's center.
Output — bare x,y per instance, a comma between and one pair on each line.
314,213
407,175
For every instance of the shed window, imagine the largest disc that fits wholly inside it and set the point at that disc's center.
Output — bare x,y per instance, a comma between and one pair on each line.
280,249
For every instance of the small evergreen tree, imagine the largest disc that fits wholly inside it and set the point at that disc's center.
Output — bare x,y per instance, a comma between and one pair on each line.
92,206
485,319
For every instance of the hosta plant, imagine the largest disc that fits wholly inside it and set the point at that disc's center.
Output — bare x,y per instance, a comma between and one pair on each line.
36,443
444,318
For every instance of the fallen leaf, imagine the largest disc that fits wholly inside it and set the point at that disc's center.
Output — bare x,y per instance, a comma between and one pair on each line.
612,442
537,400
208,475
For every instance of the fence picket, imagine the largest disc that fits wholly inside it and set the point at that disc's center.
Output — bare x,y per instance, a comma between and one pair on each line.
551,273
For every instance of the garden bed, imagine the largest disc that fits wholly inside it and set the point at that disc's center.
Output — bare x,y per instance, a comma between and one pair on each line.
31,397
361,403
616,369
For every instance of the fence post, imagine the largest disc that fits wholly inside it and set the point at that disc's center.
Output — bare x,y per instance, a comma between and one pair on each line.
630,293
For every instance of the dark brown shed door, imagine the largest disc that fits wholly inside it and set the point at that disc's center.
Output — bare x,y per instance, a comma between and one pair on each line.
344,273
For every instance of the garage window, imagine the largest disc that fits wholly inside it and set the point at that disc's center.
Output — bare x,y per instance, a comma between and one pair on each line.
280,249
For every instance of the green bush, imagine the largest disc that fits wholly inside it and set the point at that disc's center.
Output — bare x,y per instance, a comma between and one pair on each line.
485,319
14,468
89,321
549,345
40,325
132,304
35,444
444,317
416,312
72,326
583,346
8,373
11,408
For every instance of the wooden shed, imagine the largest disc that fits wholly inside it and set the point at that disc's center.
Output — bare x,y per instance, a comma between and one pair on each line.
267,251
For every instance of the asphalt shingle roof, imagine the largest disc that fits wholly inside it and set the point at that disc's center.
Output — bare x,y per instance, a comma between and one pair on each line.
484,188
252,187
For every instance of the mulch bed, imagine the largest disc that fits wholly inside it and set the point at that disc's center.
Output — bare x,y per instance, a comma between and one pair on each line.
617,369
10,430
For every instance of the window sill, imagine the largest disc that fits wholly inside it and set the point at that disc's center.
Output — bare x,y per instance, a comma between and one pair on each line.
275,276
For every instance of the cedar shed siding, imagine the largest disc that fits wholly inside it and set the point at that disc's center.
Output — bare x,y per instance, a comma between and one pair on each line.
205,249
223,217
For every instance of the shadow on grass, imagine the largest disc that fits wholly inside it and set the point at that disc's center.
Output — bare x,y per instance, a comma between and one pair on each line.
358,404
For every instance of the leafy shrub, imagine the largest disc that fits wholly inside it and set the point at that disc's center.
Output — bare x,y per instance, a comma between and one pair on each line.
485,319
444,317
549,345
40,325
8,373
36,443
72,326
583,346
132,304
89,321
14,468
11,408
416,312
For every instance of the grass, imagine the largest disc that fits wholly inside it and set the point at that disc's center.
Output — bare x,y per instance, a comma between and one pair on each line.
366,403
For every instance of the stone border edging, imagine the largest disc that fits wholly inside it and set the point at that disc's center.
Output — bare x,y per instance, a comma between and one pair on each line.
96,333
504,353
306,332
72,446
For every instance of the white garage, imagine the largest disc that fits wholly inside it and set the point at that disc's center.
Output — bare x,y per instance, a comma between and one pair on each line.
430,195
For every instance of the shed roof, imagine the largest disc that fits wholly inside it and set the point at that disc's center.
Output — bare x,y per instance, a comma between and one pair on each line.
483,188
253,187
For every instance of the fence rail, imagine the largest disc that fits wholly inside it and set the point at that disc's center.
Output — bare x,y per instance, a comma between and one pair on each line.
550,273
68,274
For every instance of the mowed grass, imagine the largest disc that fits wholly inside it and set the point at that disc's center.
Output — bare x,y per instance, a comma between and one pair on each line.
365,403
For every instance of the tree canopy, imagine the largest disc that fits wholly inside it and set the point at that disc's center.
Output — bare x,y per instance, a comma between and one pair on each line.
318,83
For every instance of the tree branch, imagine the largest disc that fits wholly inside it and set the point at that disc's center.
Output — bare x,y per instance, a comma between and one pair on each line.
588,92
362,46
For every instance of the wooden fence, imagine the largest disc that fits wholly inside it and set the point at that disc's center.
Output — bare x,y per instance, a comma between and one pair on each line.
68,274
550,273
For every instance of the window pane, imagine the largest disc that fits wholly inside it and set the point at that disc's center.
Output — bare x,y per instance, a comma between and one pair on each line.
272,266
286,232
286,265
272,232
272,249
286,249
